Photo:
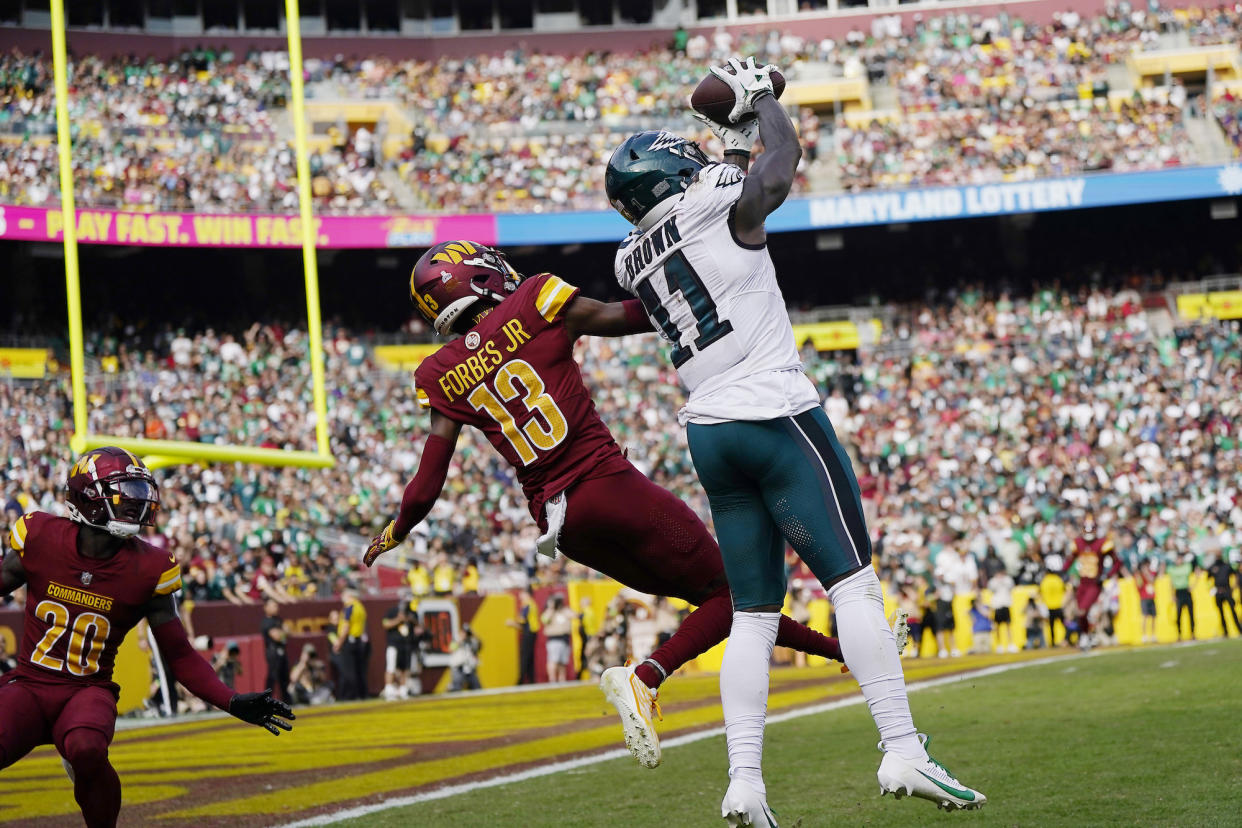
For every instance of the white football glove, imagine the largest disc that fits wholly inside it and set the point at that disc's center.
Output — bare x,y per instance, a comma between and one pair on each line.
739,138
748,82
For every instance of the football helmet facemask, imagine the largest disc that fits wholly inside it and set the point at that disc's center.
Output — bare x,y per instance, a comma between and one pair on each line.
112,490
648,170
452,277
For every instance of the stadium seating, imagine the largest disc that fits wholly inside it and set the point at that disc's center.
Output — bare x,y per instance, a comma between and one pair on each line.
1228,112
952,98
1019,402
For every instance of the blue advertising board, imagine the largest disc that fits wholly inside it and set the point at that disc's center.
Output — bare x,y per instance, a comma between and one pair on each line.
923,204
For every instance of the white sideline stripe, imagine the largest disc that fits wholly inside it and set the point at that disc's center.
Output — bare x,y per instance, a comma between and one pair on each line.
689,738
207,715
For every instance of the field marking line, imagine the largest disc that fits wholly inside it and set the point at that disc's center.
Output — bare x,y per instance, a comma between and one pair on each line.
209,715
689,738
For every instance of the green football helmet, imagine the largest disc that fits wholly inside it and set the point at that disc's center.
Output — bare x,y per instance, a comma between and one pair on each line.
649,168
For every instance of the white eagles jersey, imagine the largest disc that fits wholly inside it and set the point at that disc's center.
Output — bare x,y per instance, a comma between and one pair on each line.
716,300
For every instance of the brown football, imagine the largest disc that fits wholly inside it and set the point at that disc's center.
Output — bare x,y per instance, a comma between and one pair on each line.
713,97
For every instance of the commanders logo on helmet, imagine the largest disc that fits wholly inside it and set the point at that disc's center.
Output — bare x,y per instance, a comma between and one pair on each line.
111,489
453,277
647,170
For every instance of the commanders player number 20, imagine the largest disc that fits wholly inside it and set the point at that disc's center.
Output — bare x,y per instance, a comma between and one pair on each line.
533,434
86,639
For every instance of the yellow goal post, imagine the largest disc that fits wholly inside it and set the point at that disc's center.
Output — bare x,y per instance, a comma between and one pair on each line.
160,453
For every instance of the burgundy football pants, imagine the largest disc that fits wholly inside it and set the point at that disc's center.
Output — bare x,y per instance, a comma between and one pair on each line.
645,537
79,720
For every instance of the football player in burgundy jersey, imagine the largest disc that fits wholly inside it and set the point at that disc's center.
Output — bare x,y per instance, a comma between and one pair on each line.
1093,554
511,373
89,580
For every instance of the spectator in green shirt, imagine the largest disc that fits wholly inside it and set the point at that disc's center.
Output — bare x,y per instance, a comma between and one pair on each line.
680,38
1179,575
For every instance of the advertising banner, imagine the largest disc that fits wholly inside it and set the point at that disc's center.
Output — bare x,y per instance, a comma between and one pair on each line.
1038,196
101,226
98,226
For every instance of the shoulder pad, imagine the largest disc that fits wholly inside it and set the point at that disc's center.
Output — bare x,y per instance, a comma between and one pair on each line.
423,379
718,175
170,579
21,532
553,294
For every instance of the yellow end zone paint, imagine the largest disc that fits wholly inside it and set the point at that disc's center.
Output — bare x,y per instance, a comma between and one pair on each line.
161,766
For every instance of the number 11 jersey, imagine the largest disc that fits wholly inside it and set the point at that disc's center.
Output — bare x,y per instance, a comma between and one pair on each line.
716,300
513,376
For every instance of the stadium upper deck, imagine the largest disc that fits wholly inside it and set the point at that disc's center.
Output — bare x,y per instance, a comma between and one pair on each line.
961,98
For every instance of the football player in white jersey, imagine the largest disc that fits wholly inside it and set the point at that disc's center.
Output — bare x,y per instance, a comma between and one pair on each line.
763,448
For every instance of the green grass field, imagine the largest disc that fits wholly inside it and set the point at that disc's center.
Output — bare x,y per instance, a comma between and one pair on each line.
1137,737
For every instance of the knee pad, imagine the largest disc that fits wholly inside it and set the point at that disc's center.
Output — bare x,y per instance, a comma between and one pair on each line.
863,585
85,749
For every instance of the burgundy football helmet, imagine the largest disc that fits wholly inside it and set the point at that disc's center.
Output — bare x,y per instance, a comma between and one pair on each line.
111,489
453,276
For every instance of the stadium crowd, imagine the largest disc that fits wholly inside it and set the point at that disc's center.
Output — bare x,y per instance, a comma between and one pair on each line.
1228,112
191,133
979,97
972,146
994,424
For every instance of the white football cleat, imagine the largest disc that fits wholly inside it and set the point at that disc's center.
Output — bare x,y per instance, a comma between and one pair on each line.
636,702
744,807
927,779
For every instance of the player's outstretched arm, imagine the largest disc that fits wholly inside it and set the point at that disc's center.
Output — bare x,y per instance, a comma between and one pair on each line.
587,316
422,492
197,676
12,575
772,175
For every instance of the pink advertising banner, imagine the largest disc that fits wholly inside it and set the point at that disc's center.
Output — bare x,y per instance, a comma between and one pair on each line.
98,226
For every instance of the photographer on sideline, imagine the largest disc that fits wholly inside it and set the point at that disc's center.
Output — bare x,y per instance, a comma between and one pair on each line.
465,660
310,678
227,663
398,625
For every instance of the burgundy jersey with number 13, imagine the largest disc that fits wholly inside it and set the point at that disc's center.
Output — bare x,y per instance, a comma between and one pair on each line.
513,376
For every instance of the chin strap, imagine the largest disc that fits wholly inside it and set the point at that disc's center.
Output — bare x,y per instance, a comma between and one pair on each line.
122,529
115,528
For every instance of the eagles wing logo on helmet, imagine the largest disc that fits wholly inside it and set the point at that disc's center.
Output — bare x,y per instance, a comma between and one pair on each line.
678,146
648,169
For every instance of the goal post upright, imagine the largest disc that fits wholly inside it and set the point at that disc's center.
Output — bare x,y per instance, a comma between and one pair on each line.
164,453
73,286
310,265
